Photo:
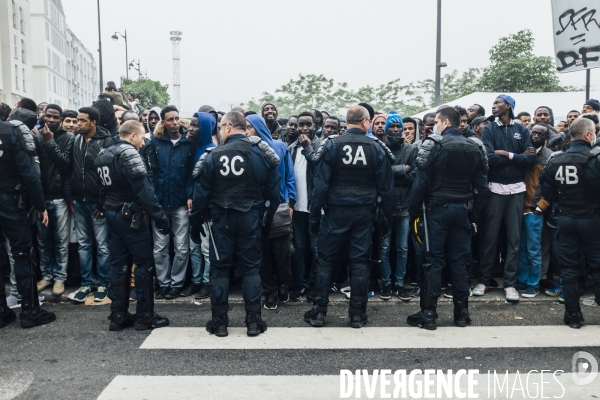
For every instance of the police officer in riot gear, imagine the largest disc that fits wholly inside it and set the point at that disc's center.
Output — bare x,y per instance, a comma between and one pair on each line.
449,168
572,180
128,194
353,177
20,176
236,188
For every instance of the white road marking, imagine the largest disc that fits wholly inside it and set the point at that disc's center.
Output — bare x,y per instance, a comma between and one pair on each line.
13,385
326,387
377,338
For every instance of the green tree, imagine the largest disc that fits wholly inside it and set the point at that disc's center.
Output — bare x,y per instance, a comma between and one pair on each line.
452,86
514,67
150,93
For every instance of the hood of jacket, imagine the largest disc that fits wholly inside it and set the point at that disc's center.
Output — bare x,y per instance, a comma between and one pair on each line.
157,111
204,139
159,130
108,120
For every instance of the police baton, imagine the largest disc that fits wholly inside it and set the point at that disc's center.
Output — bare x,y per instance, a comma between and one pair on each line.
212,239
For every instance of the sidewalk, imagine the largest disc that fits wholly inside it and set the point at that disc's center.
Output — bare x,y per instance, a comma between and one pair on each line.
495,295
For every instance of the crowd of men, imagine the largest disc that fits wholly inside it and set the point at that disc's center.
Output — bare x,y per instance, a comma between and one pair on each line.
292,208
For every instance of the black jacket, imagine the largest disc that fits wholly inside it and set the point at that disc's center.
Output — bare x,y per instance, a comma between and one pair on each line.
149,156
406,154
309,153
84,184
55,162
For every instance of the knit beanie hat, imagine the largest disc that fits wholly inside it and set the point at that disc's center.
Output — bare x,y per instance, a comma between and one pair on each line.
392,118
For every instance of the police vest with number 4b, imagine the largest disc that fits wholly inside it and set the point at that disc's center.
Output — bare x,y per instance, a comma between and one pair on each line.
577,196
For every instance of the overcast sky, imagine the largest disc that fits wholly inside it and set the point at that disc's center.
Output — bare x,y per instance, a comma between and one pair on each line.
233,50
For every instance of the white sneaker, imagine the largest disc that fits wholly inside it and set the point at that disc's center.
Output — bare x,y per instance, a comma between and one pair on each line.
480,290
511,294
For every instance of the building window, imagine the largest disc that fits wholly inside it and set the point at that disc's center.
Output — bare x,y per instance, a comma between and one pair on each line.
23,52
23,73
22,20
16,47
49,59
16,77
46,7
47,32
15,16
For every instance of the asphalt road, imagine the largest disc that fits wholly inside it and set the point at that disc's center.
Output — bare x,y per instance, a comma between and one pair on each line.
76,357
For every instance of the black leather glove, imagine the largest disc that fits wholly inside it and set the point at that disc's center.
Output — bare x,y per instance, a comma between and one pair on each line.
313,226
165,231
196,232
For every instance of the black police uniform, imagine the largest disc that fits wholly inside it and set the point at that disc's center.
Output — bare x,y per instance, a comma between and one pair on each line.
572,180
353,171
127,195
19,176
233,184
449,168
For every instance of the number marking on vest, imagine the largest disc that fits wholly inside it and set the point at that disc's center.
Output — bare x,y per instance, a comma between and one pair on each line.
359,156
104,175
227,168
568,176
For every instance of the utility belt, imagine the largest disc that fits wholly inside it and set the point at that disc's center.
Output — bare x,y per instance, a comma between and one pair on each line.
133,212
129,211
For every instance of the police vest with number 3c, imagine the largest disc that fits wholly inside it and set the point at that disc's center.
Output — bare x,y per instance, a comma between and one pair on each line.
235,186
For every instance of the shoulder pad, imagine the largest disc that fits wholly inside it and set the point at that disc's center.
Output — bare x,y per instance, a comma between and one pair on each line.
595,151
424,154
200,163
272,157
554,154
131,162
435,138
254,139
479,144
25,136
387,150
321,148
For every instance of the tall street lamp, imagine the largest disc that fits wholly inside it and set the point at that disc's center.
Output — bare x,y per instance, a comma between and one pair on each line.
100,49
115,37
438,55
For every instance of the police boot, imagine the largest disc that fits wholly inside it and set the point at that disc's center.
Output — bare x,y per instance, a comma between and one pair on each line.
358,317
145,317
6,314
461,312
254,324
574,319
316,315
218,326
119,295
32,314
120,320
426,318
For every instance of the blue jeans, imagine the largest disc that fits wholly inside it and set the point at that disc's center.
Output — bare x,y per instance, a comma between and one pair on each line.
172,275
401,230
89,229
530,251
200,260
54,241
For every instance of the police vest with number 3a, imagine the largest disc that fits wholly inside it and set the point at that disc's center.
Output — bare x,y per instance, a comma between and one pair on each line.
353,174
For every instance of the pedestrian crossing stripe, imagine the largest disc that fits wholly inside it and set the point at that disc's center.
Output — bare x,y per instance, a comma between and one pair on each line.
325,387
376,338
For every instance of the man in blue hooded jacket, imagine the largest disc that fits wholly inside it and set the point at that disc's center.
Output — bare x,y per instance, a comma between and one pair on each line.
202,126
276,267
